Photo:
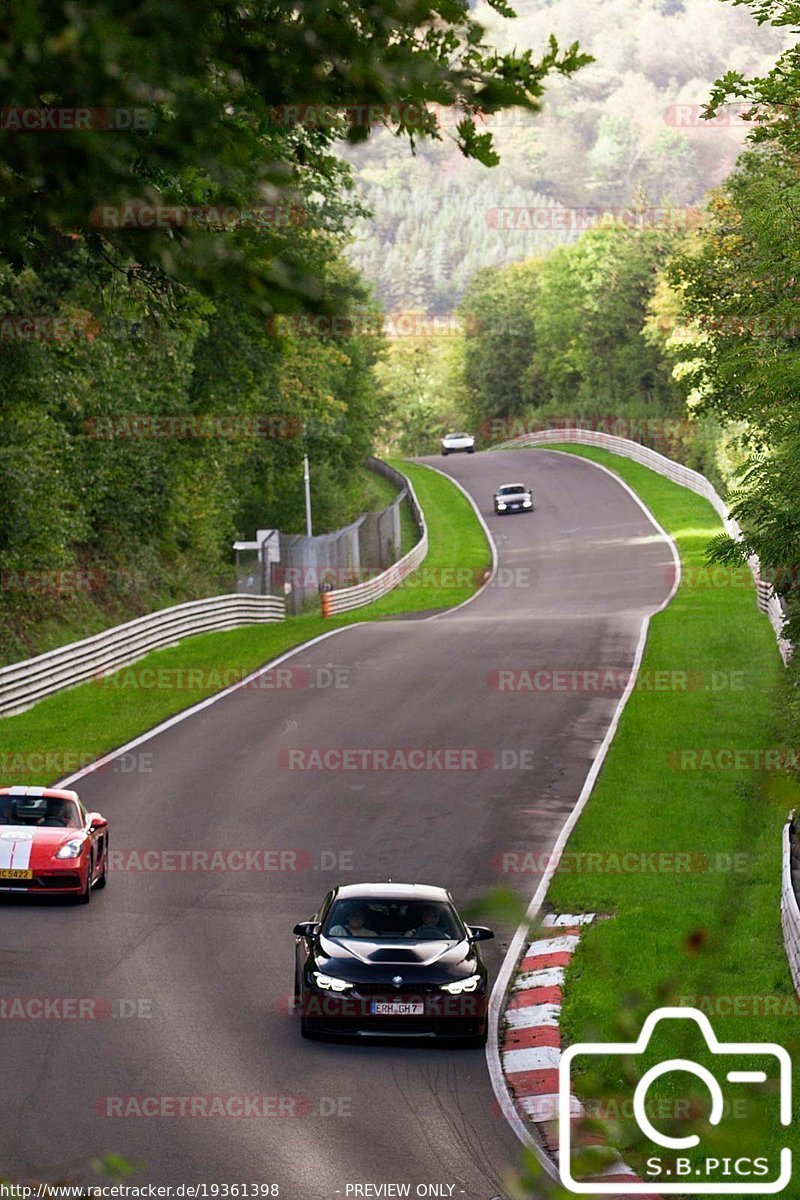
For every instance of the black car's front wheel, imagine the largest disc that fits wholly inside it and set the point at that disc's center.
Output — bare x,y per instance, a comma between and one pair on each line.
299,1005
305,1032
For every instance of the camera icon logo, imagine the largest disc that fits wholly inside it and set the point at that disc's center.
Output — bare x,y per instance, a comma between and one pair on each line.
676,1174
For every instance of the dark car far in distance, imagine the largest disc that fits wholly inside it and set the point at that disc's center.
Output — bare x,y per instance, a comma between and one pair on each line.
391,960
513,497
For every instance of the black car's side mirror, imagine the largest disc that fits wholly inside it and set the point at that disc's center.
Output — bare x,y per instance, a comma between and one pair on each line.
479,933
306,929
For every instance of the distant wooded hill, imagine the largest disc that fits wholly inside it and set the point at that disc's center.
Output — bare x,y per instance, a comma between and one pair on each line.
626,130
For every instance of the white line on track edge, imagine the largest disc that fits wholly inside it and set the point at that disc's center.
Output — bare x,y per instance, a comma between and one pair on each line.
185,713
503,980
448,612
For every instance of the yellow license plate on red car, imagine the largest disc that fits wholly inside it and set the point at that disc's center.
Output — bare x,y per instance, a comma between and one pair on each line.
6,873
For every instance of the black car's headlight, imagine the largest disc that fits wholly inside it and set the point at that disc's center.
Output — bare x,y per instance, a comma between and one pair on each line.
329,983
470,984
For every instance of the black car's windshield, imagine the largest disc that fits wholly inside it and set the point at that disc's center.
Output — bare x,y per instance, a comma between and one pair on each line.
392,920
512,489
51,811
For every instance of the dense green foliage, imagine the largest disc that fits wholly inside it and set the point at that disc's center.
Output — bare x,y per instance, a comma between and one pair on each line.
567,330
216,83
737,284
171,219
136,451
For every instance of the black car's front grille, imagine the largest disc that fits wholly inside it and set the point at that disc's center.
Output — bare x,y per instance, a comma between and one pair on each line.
357,1009
391,991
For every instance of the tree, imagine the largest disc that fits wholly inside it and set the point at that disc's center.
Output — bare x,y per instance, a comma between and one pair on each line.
244,113
498,314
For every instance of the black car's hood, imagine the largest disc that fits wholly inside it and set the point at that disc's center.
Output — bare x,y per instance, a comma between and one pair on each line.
362,959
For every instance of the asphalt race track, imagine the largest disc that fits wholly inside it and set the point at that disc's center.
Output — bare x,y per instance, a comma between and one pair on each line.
205,958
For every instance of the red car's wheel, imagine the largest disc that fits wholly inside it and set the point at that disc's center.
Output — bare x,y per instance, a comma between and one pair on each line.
86,895
103,880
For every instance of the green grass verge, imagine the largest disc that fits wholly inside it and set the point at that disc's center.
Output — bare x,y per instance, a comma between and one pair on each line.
73,727
711,933
458,552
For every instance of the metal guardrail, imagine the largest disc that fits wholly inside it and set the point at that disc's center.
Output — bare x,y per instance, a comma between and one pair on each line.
768,602
23,683
790,913
344,599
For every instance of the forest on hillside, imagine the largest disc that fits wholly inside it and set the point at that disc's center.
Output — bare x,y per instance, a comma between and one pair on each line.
625,130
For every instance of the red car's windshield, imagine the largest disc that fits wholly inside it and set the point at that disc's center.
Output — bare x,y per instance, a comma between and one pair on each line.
47,811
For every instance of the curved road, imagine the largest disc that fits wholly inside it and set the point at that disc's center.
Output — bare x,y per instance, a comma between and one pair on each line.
208,955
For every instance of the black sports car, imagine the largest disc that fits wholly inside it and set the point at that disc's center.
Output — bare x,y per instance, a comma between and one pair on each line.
391,960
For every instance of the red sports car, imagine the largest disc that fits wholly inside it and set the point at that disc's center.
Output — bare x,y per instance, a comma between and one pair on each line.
50,845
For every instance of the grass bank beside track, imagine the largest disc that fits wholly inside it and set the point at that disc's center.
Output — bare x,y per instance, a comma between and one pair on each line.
70,728
710,935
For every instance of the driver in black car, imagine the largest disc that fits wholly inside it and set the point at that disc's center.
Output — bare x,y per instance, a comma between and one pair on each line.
430,926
